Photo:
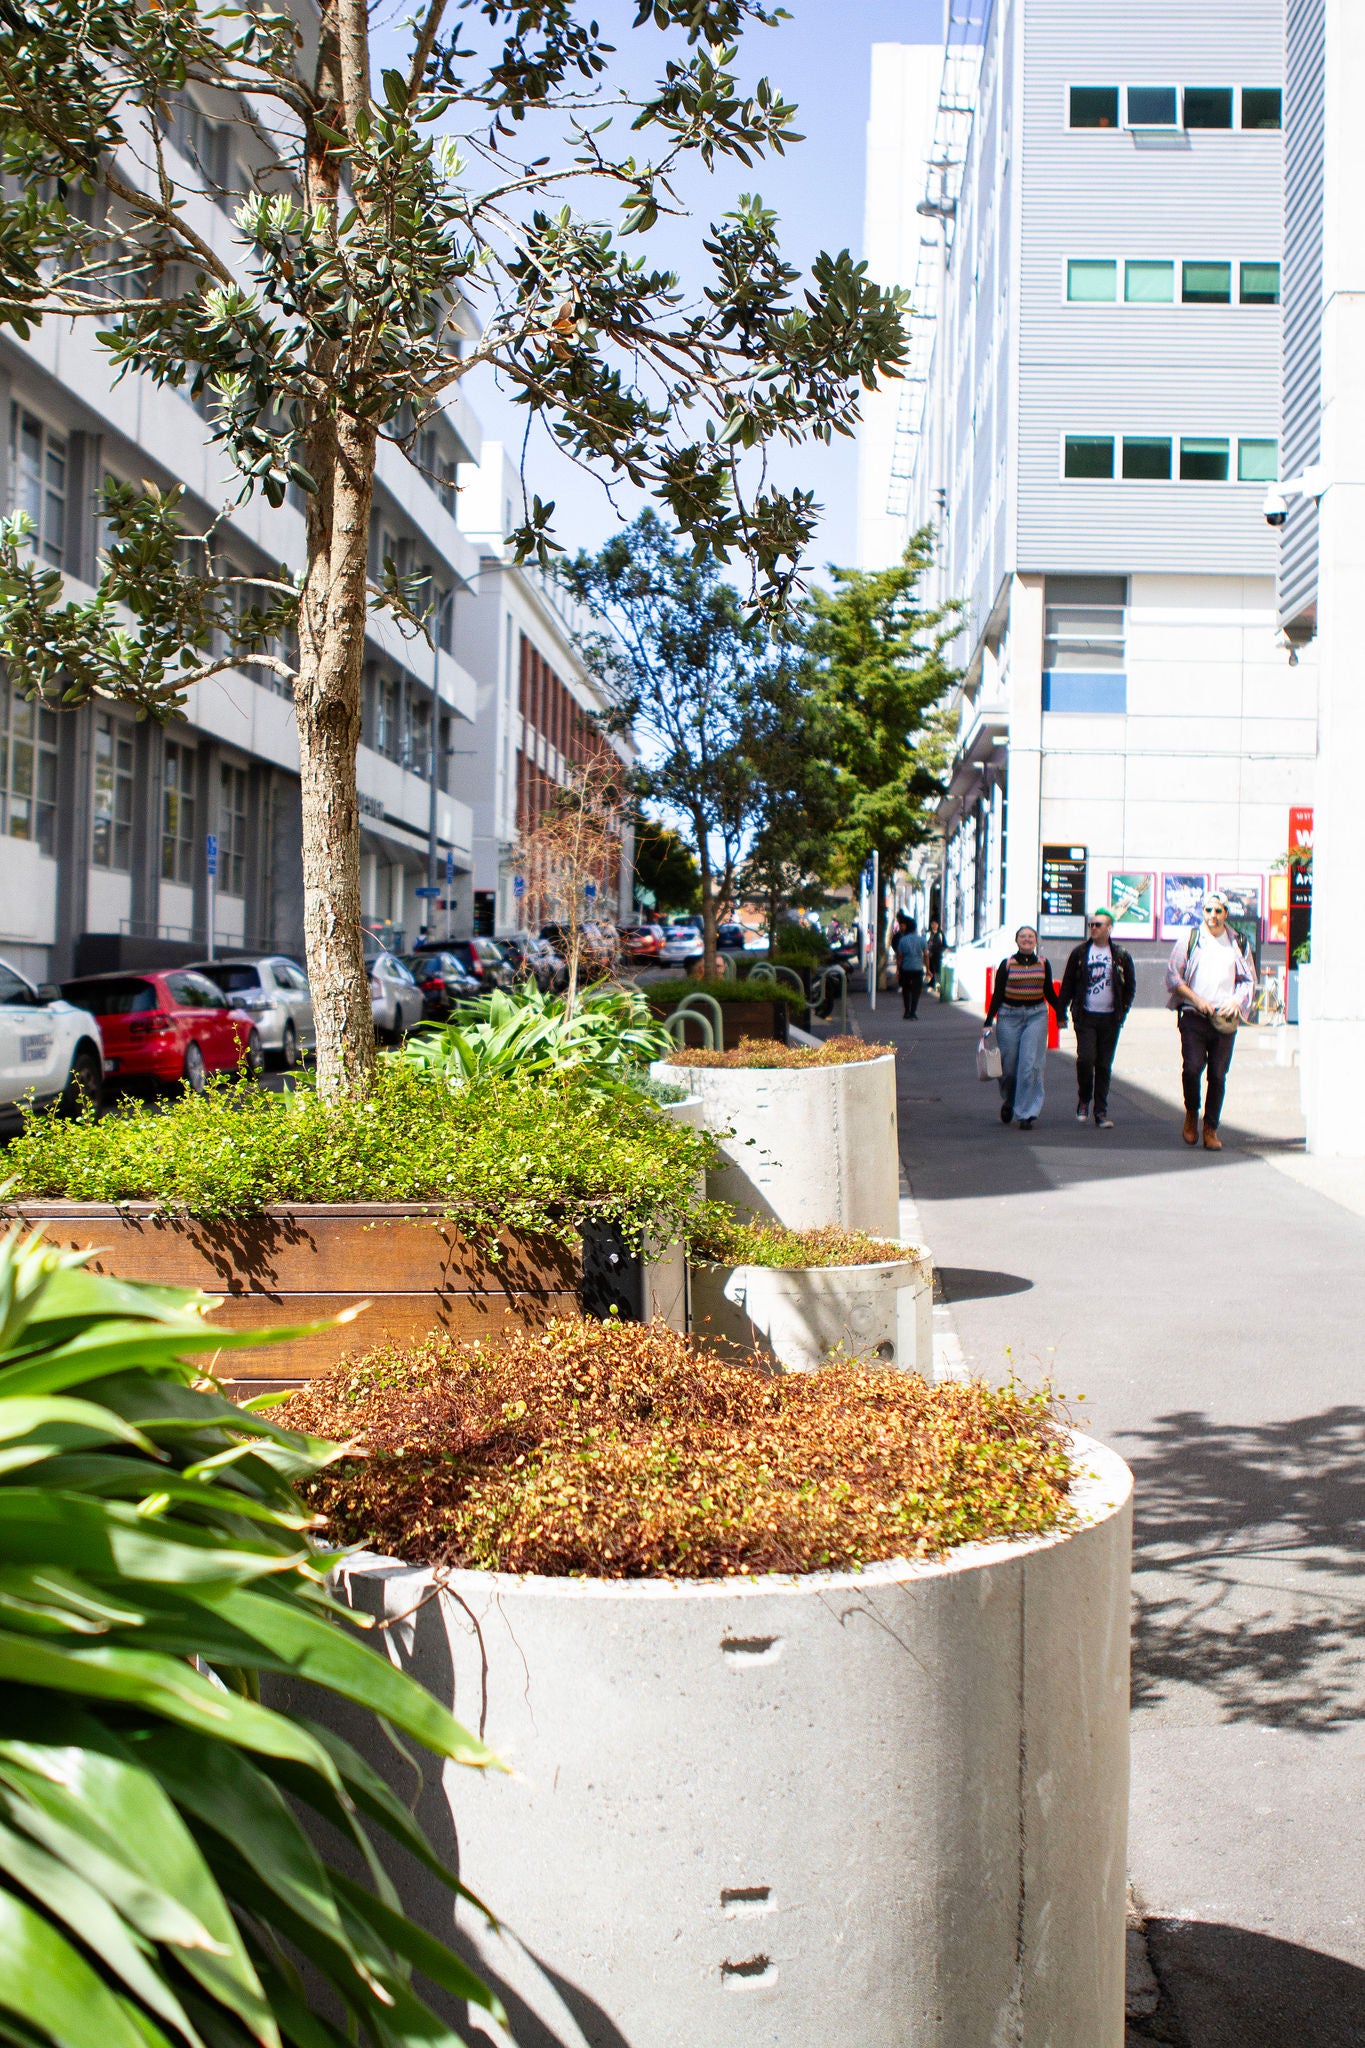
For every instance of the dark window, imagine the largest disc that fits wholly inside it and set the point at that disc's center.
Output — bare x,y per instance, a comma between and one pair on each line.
1260,106
1147,456
111,843
1094,106
232,832
1260,284
1089,455
1151,106
177,814
1208,106
1206,284
112,998
13,987
1203,461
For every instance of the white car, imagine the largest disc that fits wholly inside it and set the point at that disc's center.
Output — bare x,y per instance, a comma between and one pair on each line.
682,945
396,997
50,1051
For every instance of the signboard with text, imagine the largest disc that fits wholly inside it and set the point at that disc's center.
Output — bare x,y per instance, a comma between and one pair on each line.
1062,896
1300,880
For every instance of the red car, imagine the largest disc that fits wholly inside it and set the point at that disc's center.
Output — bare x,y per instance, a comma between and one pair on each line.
175,1026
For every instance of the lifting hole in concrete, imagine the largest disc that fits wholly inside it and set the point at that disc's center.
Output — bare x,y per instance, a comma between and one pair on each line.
752,1649
748,1898
743,1976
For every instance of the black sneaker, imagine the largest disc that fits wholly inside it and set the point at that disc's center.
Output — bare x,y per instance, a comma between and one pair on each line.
1026,1123
1082,1112
1006,1112
1104,1123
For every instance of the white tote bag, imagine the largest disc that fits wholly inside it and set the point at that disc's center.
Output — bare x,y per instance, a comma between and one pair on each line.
989,1066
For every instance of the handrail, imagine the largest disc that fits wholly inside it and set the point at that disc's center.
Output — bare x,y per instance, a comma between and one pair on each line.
789,974
825,974
699,995
681,1018
762,970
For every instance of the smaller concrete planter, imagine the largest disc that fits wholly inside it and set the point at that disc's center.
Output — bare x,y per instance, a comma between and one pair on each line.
797,1315
806,1145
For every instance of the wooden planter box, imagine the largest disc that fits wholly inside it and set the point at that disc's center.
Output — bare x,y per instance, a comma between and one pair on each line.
299,1263
749,1019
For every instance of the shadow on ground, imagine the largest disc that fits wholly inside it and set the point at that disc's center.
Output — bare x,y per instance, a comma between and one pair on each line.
973,1283
1231,1521
1227,1987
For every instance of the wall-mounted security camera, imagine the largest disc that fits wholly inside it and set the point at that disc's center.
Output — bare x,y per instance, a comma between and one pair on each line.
1275,504
1276,508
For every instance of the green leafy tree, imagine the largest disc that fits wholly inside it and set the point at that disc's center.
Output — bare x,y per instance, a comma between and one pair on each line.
402,231
880,674
666,865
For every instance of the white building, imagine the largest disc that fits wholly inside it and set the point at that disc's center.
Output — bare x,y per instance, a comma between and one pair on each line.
1100,415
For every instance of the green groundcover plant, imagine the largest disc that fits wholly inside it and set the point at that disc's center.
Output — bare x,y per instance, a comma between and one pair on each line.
677,989
159,1884
527,1152
606,1038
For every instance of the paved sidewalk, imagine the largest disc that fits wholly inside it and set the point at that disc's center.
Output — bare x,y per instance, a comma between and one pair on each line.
1205,1313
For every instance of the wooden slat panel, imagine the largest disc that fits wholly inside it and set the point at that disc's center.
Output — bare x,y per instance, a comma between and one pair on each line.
400,1319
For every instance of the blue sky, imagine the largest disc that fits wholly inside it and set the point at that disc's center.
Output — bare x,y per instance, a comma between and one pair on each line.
821,58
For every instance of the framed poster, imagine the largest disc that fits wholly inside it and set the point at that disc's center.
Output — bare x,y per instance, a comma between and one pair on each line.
1277,910
1182,903
1243,893
1132,901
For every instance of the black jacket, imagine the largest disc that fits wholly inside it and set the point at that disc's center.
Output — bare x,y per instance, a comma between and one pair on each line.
1072,991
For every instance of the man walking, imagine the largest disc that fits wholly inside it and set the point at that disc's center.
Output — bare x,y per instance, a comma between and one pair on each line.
1099,982
1211,986
910,968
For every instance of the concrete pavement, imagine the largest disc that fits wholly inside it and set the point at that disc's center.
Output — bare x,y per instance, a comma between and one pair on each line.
1205,1314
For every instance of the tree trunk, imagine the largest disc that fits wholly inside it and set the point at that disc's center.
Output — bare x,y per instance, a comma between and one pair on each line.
708,914
327,710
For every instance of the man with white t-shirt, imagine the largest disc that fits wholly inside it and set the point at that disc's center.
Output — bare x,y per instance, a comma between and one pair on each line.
1099,982
1211,986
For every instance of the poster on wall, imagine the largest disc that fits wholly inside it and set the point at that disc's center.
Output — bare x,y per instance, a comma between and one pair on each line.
1243,893
1277,910
1132,902
1182,903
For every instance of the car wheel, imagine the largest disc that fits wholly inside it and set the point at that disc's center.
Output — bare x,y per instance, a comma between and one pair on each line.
253,1058
84,1084
194,1073
289,1048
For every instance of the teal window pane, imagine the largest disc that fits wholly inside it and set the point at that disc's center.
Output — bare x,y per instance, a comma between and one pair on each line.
1147,457
1089,455
1260,106
1094,106
1149,284
1203,461
1258,462
1151,106
1089,282
1208,106
1260,284
1206,284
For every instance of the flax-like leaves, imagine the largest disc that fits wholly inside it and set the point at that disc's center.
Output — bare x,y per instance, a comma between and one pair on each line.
158,1883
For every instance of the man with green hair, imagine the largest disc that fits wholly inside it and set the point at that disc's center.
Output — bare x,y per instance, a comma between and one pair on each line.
1099,982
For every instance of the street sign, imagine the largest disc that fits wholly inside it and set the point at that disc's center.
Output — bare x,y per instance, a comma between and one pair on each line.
450,866
426,892
645,898
1063,893
518,886
590,890
211,847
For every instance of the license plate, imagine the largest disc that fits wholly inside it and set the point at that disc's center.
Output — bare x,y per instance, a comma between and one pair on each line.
33,1047
110,1066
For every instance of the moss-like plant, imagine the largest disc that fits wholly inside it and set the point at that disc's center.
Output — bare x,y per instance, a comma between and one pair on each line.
528,1152
719,1238
622,1450
769,1052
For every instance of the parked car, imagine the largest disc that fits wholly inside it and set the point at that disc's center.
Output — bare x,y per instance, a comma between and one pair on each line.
594,956
168,1027
731,938
396,998
532,959
273,990
483,960
444,979
50,1049
642,942
682,945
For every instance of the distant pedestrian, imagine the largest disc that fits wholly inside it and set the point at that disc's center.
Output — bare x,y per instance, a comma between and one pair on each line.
933,952
910,950
1023,993
1099,982
1211,986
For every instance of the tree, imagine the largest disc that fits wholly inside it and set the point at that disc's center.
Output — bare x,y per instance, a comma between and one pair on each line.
573,847
666,865
696,678
399,235
879,673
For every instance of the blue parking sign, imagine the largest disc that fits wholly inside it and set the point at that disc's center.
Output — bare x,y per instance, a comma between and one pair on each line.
211,847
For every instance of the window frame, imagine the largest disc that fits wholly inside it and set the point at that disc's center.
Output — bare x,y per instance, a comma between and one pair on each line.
233,824
1171,127
116,855
53,446
1167,441
1167,263
1115,127
1228,127
1208,442
179,810
1079,476
1070,263
1188,263
1246,127
28,726
1258,263
1257,441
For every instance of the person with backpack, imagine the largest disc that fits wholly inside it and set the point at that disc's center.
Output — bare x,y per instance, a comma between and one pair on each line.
910,967
1211,986
1020,997
1099,982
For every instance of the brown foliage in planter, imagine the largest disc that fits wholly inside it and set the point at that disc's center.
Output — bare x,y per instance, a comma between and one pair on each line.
622,1451
721,1239
768,1052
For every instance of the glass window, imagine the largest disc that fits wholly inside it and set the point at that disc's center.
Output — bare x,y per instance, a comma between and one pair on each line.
232,832
1094,106
1258,462
1147,457
28,768
1260,283
114,998
1208,106
177,814
1203,461
1151,106
1085,638
1206,284
1149,284
13,987
1090,281
1260,106
112,837
1089,455
38,473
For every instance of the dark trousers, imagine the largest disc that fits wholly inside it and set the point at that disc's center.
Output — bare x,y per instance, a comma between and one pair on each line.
912,988
1201,1047
1097,1034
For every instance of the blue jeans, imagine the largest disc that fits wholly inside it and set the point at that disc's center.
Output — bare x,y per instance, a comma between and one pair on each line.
1021,1035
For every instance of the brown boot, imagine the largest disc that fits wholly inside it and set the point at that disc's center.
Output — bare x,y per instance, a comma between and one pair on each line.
1191,1131
1212,1141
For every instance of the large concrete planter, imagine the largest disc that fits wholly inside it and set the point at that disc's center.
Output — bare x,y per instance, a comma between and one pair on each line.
807,1145
796,1315
883,1809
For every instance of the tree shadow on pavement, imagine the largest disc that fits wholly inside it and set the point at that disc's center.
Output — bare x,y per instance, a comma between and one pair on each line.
1230,1987
1249,1564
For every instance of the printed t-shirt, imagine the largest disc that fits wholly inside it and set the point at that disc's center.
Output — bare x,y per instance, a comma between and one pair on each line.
1099,980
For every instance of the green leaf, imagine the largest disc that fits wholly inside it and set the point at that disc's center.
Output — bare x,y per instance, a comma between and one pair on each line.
47,1984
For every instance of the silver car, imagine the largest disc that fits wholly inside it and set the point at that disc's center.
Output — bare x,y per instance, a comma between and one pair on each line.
682,945
273,990
397,998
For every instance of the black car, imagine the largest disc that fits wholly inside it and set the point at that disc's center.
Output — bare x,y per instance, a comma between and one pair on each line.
483,961
730,938
443,979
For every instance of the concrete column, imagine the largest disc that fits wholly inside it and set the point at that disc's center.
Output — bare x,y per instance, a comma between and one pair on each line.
1026,751
1334,1035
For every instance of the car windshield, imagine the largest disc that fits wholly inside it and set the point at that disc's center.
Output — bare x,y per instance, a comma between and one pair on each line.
111,998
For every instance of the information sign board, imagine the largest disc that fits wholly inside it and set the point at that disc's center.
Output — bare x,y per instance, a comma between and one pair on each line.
1062,897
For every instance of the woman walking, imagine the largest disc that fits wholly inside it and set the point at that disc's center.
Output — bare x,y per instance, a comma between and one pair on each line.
1023,991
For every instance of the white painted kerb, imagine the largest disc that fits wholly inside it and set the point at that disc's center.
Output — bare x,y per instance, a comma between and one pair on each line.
849,1810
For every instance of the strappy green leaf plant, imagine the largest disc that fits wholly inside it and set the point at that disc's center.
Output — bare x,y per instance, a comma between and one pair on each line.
606,1039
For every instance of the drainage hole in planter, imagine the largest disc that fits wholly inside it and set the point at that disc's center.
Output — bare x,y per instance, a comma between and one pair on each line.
754,1649
740,1976
886,1352
748,1898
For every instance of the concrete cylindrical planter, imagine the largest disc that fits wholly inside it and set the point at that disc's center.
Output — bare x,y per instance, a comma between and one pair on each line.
796,1315
808,1145
884,1808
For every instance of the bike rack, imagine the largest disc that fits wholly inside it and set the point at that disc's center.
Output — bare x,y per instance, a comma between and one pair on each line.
717,1018
677,1024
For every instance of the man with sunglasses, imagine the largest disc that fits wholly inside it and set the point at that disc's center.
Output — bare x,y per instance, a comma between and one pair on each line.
1099,982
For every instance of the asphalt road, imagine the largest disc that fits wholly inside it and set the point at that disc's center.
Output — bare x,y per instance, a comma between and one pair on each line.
1205,1314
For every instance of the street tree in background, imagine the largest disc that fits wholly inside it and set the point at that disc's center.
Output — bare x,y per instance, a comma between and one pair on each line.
666,866
879,673
571,856
401,230
696,676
